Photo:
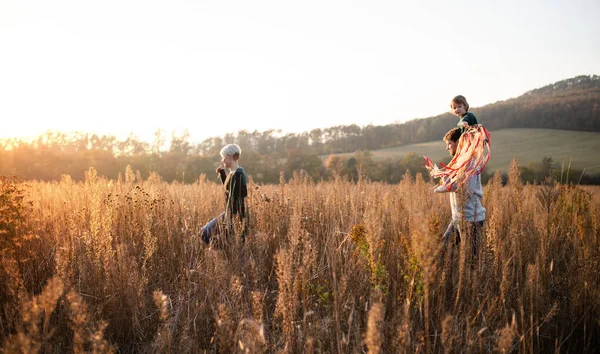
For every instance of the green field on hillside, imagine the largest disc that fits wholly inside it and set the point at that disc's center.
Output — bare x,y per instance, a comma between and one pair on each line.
581,149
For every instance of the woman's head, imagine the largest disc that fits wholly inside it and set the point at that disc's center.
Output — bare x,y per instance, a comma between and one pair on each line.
229,154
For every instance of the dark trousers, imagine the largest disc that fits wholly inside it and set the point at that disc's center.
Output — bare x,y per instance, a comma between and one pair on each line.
218,224
212,227
472,232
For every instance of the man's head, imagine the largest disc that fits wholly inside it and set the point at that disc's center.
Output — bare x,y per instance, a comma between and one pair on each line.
459,105
451,140
229,154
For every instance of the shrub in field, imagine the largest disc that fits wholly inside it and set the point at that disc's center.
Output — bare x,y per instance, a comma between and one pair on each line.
38,315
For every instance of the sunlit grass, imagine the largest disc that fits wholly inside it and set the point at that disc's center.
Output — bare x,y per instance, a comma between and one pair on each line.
328,267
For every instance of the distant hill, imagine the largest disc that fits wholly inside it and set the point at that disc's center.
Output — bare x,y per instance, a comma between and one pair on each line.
580,149
571,104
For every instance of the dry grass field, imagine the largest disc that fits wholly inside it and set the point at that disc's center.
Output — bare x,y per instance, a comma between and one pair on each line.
333,267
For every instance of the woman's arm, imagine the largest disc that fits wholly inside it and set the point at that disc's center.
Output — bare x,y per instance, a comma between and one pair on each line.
222,174
238,192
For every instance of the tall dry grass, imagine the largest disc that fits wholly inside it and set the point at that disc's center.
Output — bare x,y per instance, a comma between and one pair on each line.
335,267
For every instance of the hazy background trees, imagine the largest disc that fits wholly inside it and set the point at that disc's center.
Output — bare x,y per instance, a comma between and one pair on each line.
572,104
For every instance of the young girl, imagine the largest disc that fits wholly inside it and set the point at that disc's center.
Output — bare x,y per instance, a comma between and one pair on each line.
459,107
236,190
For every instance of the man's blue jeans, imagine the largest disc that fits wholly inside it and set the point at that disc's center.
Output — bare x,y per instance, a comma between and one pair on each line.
473,232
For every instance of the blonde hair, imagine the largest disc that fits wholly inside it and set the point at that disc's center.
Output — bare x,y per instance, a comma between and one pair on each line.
231,150
458,100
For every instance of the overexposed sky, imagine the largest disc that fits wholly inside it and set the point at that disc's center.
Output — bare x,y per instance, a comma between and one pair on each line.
212,67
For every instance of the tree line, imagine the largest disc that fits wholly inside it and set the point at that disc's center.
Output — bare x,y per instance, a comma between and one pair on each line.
569,104
55,154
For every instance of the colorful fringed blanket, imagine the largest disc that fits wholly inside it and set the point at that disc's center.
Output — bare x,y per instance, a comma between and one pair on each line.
472,155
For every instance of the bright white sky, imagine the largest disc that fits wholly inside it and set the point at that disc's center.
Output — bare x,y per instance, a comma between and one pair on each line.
120,67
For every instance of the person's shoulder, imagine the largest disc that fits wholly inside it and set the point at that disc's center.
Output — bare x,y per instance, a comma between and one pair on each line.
240,171
469,118
468,115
